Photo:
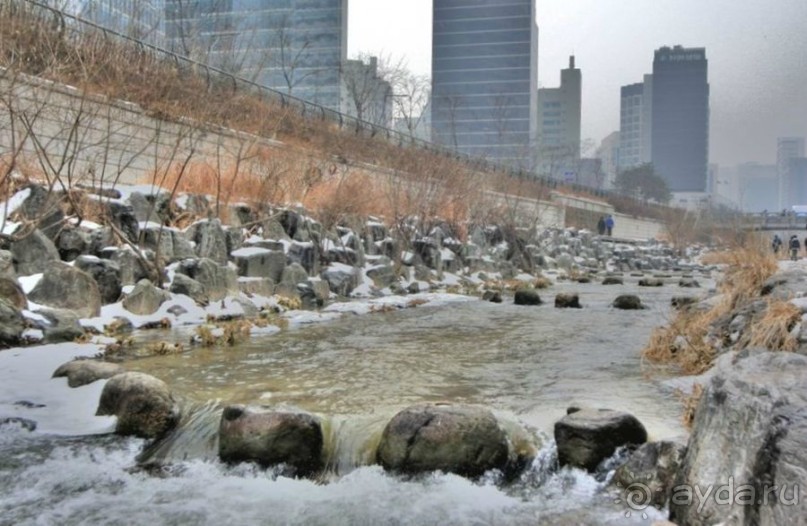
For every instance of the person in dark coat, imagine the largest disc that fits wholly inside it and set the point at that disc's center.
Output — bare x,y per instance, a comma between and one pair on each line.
601,226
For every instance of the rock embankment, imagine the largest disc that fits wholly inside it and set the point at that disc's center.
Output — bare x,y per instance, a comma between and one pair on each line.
142,259
745,461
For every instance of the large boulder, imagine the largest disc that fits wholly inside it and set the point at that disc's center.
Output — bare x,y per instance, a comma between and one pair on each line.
12,324
652,469
452,438
106,273
306,254
527,297
12,292
182,284
567,301
651,282
750,432
123,217
267,437
628,302
612,280
218,281
42,206
7,265
341,279
32,253
169,242
72,242
83,372
293,275
132,267
68,288
210,239
145,299
254,262
59,326
586,437
143,404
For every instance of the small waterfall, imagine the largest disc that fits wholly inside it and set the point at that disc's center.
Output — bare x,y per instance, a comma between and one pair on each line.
196,437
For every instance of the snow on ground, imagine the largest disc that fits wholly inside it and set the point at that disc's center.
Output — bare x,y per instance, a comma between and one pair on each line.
400,302
25,376
9,207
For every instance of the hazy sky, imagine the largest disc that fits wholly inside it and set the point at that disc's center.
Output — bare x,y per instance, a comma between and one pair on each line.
757,52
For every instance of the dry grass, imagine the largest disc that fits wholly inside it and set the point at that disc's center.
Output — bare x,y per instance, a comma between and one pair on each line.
684,343
773,330
691,405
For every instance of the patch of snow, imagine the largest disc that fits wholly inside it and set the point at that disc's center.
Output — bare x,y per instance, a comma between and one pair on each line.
9,207
86,225
9,227
250,251
297,318
33,334
126,190
25,375
29,282
340,267
182,201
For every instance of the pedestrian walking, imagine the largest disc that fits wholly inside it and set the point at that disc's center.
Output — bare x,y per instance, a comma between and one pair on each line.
601,226
795,246
609,224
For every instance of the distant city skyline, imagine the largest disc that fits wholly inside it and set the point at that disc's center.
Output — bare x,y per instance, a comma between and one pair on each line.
757,54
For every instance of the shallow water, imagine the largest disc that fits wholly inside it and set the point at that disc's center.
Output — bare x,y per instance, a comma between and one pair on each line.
526,363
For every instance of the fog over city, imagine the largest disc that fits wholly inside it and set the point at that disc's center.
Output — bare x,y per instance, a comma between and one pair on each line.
757,52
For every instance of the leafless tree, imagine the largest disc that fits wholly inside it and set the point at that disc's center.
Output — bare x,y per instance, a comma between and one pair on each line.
412,94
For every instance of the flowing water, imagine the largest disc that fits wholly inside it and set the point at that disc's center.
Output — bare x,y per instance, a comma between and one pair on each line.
527,364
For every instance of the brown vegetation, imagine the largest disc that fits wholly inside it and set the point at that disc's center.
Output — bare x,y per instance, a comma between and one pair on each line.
687,342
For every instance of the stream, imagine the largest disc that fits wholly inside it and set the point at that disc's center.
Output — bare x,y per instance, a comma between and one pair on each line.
527,364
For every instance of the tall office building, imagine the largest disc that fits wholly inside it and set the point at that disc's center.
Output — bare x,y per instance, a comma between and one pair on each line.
788,151
365,94
142,20
635,123
559,116
294,46
609,153
680,129
484,78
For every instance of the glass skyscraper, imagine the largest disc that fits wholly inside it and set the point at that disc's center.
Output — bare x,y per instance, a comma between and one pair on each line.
484,78
138,19
680,129
294,46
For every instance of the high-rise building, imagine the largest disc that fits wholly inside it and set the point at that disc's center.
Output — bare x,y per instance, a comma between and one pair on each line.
680,121
757,187
294,46
484,78
142,20
788,149
635,123
559,116
365,94
609,153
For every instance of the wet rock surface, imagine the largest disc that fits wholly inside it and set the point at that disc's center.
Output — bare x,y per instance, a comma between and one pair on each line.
452,438
144,405
586,437
269,438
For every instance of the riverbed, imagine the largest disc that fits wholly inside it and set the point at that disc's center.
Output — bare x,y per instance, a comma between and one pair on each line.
527,364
